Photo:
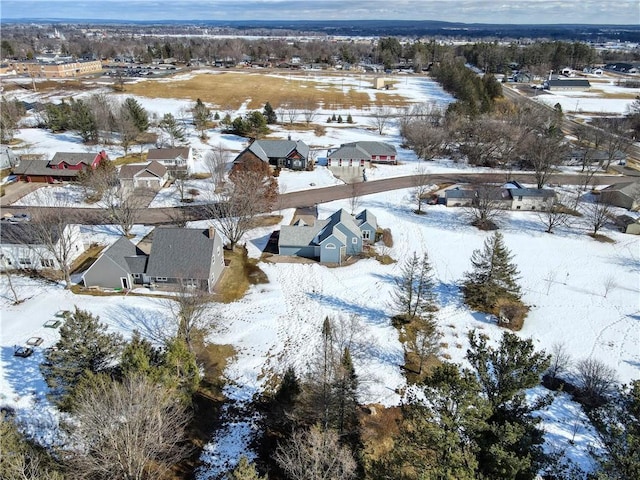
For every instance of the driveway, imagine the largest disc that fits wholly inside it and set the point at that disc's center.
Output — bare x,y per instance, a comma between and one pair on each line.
16,190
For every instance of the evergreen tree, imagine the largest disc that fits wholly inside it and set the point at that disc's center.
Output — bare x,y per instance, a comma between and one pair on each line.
180,368
137,113
84,348
511,446
349,119
339,118
329,120
346,389
270,114
172,129
333,118
201,116
494,276
437,435
245,470
618,427
414,293
83,121
216,117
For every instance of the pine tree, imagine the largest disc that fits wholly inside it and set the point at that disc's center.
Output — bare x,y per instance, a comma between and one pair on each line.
349,119
439,423
84,348
494,276
511,446
201,116
83,121
333,118
172,129
137,113
339,118
414,293
216,117
245,470
270,114
346,389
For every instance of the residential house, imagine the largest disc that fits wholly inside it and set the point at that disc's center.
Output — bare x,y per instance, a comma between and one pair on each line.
628,224
7,158
330,240
278,153
567,84
64,166
119,266
510,196
177,160
152,176
191,257
22,245
624,194
577,157
360,154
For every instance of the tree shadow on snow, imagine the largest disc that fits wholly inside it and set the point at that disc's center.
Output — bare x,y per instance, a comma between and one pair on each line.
153,325
23,374
368,314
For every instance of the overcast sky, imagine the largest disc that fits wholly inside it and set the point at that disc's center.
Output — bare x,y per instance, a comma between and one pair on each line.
622,12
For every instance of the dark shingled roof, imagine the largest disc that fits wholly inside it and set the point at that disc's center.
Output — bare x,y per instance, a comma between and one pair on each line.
41,167
363,150
123,252
130,171
181,253
23,233
168,153
266,149
73,158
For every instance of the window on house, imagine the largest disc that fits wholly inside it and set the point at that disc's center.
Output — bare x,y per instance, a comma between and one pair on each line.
366,234
518,207
46,262
161,279
136,275
24,261
354,240
520,198
533,207
330,246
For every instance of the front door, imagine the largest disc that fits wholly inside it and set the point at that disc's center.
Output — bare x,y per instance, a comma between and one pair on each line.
125,283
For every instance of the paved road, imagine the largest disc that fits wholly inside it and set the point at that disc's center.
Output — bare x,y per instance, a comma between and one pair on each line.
159,216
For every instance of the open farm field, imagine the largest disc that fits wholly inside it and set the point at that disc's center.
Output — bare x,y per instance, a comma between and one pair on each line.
230,90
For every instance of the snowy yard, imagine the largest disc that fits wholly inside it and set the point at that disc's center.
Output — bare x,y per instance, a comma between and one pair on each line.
278,324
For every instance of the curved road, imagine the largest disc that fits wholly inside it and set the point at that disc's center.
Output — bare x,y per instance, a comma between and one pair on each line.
159,216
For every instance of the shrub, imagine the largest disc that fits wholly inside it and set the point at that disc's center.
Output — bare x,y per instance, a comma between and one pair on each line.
511,313
319,130
387,238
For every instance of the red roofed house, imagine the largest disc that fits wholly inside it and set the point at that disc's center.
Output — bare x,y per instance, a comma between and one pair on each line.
64,166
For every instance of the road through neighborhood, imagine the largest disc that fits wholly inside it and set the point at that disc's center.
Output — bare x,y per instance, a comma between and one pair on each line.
170,215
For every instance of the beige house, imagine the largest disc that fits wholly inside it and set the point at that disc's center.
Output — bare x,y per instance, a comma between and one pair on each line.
151,176
625,195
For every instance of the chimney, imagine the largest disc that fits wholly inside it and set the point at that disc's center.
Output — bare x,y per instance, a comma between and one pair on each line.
212,233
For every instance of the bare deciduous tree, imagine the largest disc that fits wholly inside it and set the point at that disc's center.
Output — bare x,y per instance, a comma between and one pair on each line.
291,111
123,208
189,310
355,199
486,207
315,455
421,187
309,111
560,360
596,379
544,153
609,284
379,119
554,216
215,161
597,213
133,430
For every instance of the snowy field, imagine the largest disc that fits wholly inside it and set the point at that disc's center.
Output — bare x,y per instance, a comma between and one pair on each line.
594,100
278,324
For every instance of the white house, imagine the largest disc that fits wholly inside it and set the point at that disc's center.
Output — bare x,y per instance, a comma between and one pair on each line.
22,247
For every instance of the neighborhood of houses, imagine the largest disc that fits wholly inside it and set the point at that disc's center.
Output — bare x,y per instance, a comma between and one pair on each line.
189,257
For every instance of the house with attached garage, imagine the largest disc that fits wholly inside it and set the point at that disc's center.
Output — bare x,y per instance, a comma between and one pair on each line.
331,240
25,246
277,153
152,176
623,194
361,154
64,166
179,257
510,196
177,160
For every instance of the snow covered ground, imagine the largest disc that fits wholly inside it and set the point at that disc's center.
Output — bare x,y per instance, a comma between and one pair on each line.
278,324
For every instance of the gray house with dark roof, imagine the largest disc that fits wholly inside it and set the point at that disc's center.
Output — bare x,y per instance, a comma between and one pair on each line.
152,176
120,266
511,196
278,153
176,160
623,194
567,84
192,257
330,240
357,154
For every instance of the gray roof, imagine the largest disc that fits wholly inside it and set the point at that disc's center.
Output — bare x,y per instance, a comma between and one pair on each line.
23,233
532,192
266,149
350,152
342,218
630,188
154,168
168,153
459,193
181,253
137,264
73,158
120,250
366,216
363,150
569,82
41,167
300,235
